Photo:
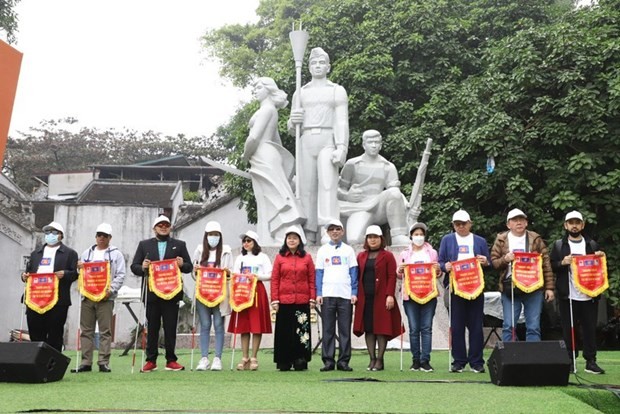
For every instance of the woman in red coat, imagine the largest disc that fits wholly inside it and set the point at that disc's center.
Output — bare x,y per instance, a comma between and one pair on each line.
293,294
376,312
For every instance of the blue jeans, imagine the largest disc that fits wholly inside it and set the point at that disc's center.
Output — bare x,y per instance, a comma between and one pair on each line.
532,304
205,313
420,318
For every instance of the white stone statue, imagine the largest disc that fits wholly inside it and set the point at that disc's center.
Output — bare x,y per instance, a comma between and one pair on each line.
271,166
369,191
321,109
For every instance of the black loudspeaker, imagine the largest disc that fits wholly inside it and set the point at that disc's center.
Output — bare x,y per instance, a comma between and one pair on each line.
31,362
529,363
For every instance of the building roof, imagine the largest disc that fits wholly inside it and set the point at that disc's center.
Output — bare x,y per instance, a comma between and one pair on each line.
129,192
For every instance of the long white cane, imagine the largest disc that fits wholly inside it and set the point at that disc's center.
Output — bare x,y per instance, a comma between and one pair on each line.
449,327
191,359
232,359
512,310
24,310
572,334
139,331
78,333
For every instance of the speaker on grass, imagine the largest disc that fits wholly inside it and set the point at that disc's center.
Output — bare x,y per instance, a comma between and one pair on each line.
31,362
529,363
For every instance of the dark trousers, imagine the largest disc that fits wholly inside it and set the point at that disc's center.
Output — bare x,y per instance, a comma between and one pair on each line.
156,311
48,327
340,311
585,314
467,314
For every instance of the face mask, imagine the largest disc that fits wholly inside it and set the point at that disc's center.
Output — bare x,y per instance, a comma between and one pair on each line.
213,240
417,240
51,239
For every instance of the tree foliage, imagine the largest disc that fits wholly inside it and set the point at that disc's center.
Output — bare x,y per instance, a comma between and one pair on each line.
8,19
533,83
60,145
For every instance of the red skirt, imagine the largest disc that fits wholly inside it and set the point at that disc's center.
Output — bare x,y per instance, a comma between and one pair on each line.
256,319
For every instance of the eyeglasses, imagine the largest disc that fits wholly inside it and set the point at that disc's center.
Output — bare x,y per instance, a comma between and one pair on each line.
103,235
164,225
246,240
334,228
460,223
54,232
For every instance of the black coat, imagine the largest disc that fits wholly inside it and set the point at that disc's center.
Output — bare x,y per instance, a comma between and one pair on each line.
148,248
560,250
66,259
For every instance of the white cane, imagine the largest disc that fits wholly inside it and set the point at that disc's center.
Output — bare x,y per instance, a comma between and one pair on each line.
572,334
141,317
191,359
78,333
512,310
24,310
232,359
449,327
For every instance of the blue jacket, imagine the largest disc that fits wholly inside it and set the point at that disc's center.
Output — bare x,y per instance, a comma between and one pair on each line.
449,251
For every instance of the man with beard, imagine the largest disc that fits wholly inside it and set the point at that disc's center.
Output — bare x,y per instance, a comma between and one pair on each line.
584,308
161,247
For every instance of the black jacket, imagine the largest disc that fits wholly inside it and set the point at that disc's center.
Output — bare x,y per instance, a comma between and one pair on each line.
148,248
66,259
560,250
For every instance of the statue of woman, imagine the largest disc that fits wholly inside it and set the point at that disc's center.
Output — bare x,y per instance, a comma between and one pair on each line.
271,165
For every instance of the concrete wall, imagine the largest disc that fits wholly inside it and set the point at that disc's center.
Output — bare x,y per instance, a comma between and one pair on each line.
67,183
16,243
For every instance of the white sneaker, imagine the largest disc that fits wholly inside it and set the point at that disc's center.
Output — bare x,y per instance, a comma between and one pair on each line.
216,365
203,364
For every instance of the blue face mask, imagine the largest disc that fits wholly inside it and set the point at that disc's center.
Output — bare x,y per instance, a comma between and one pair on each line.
213,240
51,239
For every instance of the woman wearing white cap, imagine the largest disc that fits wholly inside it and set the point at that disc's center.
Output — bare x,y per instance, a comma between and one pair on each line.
254,320
419,316
212,253
376,313
292,296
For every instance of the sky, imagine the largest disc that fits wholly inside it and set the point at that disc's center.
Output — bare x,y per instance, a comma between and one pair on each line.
135,64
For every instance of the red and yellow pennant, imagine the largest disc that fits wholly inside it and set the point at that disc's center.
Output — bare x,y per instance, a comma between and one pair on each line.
94,280
210,286
590,274
165,278
420,282
467,278
527,273
242,291
41,292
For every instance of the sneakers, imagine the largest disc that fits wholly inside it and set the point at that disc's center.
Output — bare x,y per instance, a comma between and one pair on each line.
426,367
216,365
593,368
104,368
416,365
456,368
174,366
149,366
478,369
203,364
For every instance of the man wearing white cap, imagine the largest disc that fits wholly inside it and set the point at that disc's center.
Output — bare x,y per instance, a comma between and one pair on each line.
336,290
584,308
53,257
460,245
519,239
100,313
161,247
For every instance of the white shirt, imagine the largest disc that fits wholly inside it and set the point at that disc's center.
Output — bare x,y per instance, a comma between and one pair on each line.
577,249
259,265
46,265
335,261
515,244
466,246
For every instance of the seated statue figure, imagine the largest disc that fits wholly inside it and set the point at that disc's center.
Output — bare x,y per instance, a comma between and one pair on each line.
369,193
271,166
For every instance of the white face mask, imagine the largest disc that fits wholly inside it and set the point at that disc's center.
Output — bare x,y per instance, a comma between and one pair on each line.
51,239
417,240
213,240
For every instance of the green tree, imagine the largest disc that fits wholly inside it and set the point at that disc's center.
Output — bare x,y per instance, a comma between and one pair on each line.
59,145
8,19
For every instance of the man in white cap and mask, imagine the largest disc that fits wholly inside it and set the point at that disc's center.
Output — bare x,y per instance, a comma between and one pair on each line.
336,290
100,313
161,247
519,239
584,308
53,257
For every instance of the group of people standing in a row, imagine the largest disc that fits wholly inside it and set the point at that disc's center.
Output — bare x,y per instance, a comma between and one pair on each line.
356,293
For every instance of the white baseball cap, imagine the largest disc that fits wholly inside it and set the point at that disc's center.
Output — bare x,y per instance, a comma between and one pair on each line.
213,226
334,222
515,212
461,215
104,228
251,234
161,219
418,225
297,230
374,230
573,215
54,226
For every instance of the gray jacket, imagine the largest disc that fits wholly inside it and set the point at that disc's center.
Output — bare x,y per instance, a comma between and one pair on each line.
117,266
